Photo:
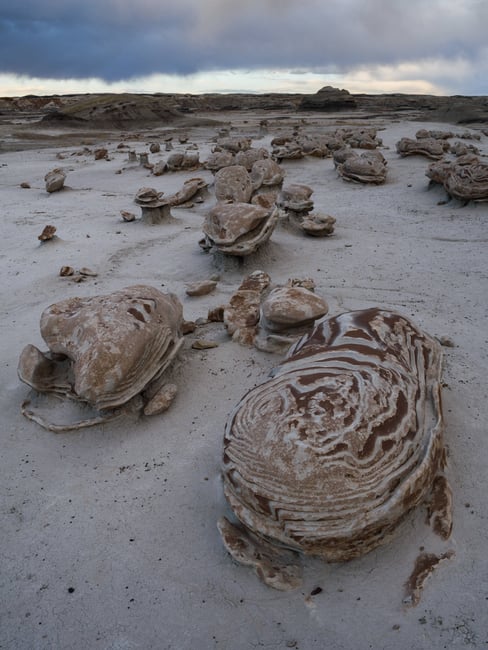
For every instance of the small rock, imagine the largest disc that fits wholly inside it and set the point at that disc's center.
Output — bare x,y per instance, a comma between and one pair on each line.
204,344
47,233
154,147
216,315
188,326
85,271
25,185
127,216
66,270
446,341
162,400
55,180
100,153
200,288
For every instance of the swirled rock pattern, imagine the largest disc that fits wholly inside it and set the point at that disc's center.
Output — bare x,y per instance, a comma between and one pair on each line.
329,455
468,182
105,350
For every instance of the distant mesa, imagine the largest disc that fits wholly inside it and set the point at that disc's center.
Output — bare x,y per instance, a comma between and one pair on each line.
328,98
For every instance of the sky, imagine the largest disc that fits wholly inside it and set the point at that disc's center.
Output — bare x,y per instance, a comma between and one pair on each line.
195,46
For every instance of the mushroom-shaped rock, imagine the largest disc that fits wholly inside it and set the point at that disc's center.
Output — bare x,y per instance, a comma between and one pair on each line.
55,180
155,208
238,228
369,167
329,455
104,351
233,183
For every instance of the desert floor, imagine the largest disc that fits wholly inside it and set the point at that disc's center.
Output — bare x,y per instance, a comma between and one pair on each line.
108,534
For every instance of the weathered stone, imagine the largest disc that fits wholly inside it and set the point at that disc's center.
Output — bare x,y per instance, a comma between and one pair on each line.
55,180
233,183
238,228
104,351
287,307
330,454
201,288
47,233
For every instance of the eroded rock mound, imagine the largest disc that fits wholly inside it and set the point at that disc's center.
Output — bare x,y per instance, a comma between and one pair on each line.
109,352
467,182
368,167
329,455
429,147
233,183
238,228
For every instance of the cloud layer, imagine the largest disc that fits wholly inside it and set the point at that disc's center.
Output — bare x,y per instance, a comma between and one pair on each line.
116,40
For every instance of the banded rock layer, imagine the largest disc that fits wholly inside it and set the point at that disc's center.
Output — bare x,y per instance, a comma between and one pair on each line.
329,455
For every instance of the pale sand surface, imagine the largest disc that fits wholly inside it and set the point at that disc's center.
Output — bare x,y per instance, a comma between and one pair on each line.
125,514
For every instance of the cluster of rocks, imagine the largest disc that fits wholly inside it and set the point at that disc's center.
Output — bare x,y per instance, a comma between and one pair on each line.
296,204
272,318
296,145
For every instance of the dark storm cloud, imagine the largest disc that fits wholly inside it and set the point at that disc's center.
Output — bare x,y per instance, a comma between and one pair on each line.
120,39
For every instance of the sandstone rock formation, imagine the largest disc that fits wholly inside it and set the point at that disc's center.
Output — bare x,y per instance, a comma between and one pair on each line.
330,454
55,180
238,228
155,208
233,183
368,167
109,352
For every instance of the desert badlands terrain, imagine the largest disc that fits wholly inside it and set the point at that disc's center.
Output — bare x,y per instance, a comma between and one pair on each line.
109,533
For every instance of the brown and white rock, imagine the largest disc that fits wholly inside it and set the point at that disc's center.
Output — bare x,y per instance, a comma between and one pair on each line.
296,198
155,207
194,189
219,159
329,455
201,288
368,167
317,225
467,182
266,174
428,147
55,180
105,351
48,233
291,306
248,157
179,161
238,228
233,183
241,315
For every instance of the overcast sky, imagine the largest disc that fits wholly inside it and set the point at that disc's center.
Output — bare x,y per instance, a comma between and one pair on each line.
425,46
